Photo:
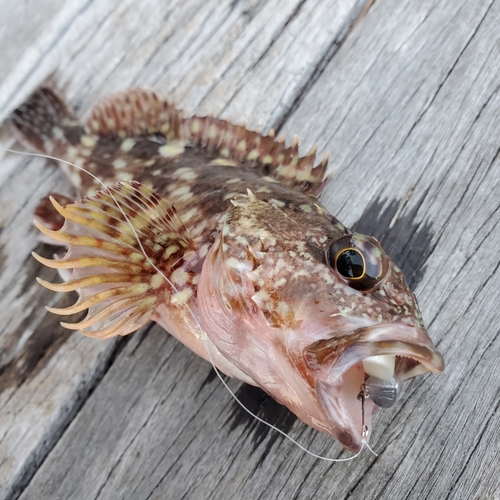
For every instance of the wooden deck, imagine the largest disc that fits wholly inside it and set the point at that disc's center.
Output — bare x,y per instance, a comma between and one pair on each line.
405,96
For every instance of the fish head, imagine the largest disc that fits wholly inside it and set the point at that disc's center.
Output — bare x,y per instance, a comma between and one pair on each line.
310,312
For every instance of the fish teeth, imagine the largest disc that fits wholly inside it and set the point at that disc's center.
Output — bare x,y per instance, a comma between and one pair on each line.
381,367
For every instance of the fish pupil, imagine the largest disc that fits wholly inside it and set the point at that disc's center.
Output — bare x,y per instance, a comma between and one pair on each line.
350,264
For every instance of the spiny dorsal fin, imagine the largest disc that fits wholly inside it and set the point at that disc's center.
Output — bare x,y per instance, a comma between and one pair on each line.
135,113
117,283
143,112
269,155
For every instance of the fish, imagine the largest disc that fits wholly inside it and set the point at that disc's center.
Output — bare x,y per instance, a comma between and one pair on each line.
216,233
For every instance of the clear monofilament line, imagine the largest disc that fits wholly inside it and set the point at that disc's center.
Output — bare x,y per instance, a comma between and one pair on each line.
195,319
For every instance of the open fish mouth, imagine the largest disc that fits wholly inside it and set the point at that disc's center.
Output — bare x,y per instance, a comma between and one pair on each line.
362,371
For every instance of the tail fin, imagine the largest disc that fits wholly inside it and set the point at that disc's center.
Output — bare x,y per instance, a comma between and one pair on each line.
45,123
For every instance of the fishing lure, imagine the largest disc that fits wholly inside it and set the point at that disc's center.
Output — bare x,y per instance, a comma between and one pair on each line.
216,233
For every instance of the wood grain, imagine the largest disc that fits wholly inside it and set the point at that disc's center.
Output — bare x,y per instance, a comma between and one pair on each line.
405,96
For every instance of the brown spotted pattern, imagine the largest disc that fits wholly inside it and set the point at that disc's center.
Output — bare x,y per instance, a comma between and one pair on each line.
240,271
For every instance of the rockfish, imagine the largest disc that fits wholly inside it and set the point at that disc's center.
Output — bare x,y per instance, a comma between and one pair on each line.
216,233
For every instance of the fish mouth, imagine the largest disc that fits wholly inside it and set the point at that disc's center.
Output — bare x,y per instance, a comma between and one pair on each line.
339,366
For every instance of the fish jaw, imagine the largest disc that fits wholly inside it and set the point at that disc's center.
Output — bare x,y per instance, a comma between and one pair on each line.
336,363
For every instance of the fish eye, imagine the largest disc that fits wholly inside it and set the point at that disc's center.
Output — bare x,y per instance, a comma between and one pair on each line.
350,263
358,261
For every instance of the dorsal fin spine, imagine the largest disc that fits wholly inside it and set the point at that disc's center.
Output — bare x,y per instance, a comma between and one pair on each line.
142,112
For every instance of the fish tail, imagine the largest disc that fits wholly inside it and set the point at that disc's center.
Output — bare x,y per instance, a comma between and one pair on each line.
45,123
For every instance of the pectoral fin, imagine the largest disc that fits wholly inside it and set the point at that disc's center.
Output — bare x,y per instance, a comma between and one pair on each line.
124,244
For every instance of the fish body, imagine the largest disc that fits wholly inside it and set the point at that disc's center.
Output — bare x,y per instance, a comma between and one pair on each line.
216,233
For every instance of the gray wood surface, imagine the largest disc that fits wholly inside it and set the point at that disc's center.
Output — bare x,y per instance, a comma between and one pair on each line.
405,96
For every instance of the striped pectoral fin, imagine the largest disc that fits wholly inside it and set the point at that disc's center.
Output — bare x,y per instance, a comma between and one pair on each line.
124,244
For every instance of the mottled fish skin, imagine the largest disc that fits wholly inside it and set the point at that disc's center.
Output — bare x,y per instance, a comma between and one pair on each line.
220,239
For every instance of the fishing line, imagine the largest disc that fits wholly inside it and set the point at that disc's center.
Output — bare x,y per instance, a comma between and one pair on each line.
364,441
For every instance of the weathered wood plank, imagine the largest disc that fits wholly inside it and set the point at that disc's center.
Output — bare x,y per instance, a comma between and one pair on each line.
202,53
409,107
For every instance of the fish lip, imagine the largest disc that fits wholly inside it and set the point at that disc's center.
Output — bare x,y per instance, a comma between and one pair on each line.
333,365
392,338
340,352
